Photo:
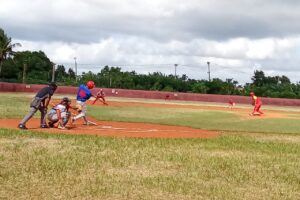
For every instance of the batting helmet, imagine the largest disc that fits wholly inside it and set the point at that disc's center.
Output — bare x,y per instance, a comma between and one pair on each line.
90,84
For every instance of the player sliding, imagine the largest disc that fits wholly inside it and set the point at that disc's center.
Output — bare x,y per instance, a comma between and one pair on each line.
83,94
256,102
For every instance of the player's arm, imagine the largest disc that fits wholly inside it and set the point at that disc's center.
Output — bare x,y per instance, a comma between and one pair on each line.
254,100
59,117
46,102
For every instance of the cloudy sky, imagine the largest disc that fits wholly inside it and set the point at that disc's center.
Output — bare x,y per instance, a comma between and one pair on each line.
235,36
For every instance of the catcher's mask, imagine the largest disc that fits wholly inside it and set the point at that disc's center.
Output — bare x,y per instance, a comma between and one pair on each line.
66,101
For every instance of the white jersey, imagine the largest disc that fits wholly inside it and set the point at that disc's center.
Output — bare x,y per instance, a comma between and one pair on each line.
60,107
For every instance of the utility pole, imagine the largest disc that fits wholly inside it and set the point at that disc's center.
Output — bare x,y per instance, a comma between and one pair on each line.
208,63
75,68
53,72
24,72
175,65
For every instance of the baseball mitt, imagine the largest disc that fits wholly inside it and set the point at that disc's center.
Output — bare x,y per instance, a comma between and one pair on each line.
78,108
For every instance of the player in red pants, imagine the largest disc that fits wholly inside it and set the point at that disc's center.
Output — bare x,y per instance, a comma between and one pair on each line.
256,102
231,103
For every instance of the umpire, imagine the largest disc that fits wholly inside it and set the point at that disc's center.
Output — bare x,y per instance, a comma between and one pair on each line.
39,102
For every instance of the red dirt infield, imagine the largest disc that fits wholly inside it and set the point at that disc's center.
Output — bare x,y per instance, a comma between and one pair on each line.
117,129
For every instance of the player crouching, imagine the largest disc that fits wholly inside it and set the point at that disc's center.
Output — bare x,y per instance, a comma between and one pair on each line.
59,114
257,103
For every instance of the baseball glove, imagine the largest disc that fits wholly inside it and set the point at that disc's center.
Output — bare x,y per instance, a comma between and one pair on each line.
78,108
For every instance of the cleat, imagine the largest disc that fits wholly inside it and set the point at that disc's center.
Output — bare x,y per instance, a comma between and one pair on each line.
44,126
22,126
51,125
61,127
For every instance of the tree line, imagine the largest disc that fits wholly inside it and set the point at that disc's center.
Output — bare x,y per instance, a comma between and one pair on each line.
35,67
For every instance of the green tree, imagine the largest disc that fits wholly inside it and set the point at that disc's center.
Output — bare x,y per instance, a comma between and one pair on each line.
39,67
6,48
60,73
258,78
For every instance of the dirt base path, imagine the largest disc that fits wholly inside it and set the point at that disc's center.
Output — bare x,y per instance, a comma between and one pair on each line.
118,129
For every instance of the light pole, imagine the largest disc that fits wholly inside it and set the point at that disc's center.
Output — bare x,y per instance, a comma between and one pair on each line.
175,65
53,72
208,63
75,68
24,72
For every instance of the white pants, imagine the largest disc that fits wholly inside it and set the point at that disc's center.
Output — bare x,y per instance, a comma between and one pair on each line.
83,111
54,117
65,116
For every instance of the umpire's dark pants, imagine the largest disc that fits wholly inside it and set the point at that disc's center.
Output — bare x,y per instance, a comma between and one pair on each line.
32,111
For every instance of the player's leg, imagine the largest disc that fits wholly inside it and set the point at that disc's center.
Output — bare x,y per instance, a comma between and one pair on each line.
258,109
52,118
82,114
43,111
65,117
22,124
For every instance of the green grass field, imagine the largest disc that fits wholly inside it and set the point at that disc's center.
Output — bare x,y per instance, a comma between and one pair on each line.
257,159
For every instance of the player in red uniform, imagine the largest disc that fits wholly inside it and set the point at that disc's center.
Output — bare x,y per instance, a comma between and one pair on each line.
256,102
101,97
231,103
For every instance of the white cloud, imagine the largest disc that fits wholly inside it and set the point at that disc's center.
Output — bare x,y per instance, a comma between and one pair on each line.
236,36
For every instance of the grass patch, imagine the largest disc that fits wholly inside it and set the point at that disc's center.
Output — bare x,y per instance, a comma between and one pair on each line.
244,163
204,119
43,166
13,106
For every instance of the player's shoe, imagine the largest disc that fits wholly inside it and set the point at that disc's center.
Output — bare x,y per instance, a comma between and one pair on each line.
61,127
44,126
51,125
22,126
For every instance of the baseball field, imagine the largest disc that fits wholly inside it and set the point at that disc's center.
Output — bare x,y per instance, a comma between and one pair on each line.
151,149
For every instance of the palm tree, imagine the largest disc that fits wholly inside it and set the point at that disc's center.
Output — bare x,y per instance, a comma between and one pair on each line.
6,48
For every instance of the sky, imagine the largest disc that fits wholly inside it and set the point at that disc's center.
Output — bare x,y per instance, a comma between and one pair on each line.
236,37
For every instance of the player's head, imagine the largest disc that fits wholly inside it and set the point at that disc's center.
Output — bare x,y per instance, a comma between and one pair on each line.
90,84
66,101
53,85
252,94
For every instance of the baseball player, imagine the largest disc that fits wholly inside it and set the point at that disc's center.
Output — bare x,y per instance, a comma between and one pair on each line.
60,114
101,97
256,102
39,102
231,103
83,94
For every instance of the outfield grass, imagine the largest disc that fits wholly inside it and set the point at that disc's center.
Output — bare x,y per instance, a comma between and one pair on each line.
255,159
204,119
43,166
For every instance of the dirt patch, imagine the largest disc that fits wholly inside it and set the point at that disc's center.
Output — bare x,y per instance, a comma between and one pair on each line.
118,129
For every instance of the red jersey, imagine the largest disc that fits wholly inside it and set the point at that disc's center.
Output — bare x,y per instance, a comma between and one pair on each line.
256,100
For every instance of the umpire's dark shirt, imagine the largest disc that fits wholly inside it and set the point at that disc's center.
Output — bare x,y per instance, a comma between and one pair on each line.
45,92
